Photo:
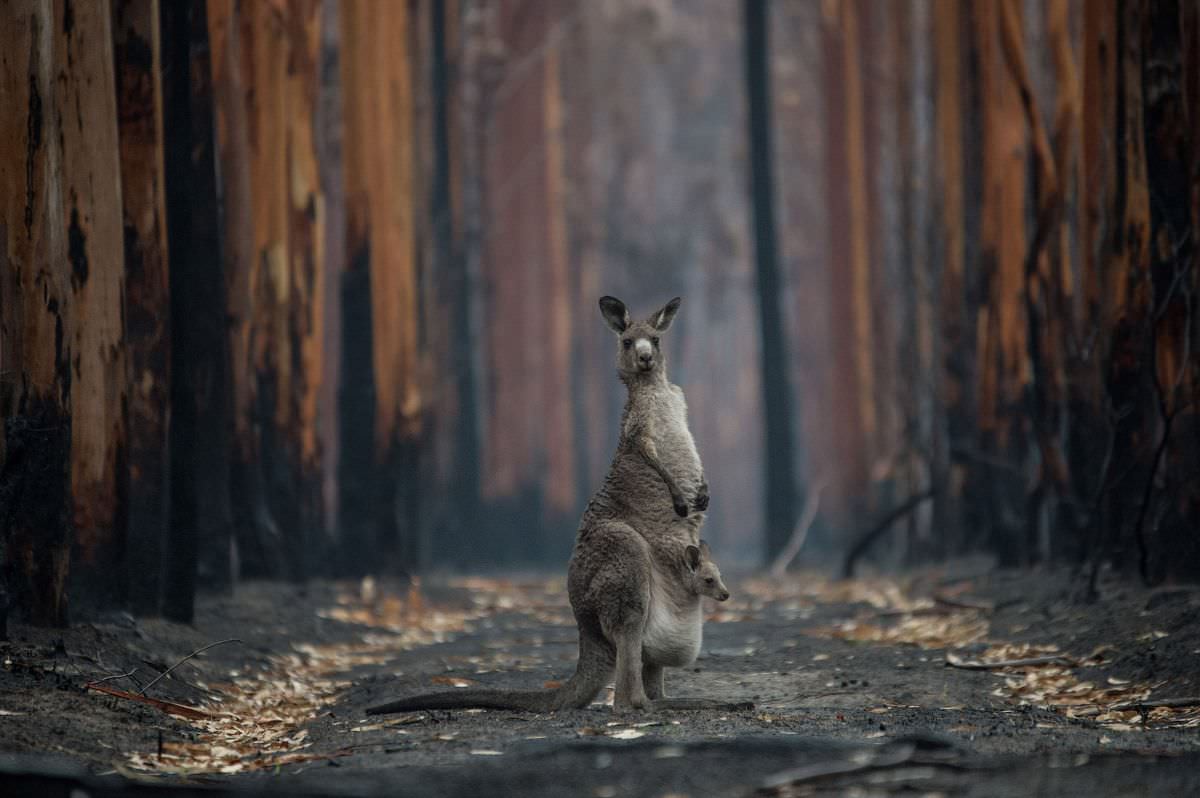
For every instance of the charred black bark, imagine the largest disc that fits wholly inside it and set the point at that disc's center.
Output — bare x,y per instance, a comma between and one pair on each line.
781,481
201,519
35,510
457,282
356,419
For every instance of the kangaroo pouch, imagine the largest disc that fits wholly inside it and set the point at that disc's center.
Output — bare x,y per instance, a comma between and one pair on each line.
673,633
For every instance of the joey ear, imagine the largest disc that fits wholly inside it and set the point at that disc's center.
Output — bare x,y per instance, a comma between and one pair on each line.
704,552
615,313
662,319
692,555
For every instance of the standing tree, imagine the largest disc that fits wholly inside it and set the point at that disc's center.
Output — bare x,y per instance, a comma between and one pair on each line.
781,480
136,51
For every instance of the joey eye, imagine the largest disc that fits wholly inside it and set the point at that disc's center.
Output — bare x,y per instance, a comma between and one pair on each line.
628,342
654,340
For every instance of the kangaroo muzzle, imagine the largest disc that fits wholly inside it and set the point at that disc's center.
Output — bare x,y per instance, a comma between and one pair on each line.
645,354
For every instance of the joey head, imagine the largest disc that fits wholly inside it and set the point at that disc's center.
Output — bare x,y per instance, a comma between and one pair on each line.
706,576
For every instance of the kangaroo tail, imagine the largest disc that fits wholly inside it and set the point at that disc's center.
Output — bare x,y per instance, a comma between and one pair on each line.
527,700
590,675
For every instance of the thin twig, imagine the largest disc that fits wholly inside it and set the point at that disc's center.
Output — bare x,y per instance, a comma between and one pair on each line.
200,650
117,676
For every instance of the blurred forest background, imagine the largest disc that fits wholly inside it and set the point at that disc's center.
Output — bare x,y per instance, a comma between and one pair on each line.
304,287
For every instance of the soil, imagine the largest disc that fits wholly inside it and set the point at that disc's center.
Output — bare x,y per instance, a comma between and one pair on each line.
850,681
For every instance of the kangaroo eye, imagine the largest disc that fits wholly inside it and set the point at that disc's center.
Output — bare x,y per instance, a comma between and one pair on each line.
709,580
654,340
628,342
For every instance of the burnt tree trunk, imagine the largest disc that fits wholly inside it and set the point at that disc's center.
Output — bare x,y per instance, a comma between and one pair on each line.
199,436
381,397
35,349
780,482
1164,529
456,255
137,54
85,98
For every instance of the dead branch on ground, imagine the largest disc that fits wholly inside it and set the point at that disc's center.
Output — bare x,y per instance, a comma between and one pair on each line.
955,661
1165,703
168,707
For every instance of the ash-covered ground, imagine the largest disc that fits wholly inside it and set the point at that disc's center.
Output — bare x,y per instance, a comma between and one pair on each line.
852,681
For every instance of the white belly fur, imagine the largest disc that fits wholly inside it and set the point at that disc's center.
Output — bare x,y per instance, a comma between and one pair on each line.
673,635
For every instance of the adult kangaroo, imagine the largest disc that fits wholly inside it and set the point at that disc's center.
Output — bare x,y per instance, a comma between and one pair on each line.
632,578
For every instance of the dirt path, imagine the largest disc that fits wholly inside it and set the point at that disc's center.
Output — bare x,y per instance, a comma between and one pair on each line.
850,680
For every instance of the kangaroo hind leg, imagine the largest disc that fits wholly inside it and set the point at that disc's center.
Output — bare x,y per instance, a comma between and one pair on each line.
630,692
653,681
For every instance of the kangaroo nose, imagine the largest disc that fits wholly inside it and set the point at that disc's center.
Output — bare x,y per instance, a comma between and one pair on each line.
646,358
724,595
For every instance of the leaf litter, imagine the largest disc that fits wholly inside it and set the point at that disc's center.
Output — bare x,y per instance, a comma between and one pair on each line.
255,721
927,623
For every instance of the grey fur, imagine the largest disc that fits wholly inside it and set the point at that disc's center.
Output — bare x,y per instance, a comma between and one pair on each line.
639,568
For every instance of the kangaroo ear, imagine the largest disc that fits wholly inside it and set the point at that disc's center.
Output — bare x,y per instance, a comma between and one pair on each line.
704,552
662,319
692,555
614,313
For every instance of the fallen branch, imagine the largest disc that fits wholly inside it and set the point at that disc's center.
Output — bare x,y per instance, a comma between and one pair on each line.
1154,703
915,612
955,661
864,543
800,534
962,604
839,767
169,707
200,650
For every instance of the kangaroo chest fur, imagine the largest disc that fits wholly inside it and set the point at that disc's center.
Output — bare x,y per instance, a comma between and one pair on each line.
667,409
674,625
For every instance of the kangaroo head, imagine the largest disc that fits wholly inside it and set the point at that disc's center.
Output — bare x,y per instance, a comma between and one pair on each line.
638,350
706,576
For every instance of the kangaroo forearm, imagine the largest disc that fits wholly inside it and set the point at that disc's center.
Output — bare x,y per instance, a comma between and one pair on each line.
650,454
645,445
667,477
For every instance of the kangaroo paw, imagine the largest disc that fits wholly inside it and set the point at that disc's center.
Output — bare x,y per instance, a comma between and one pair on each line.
700,503
681,507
